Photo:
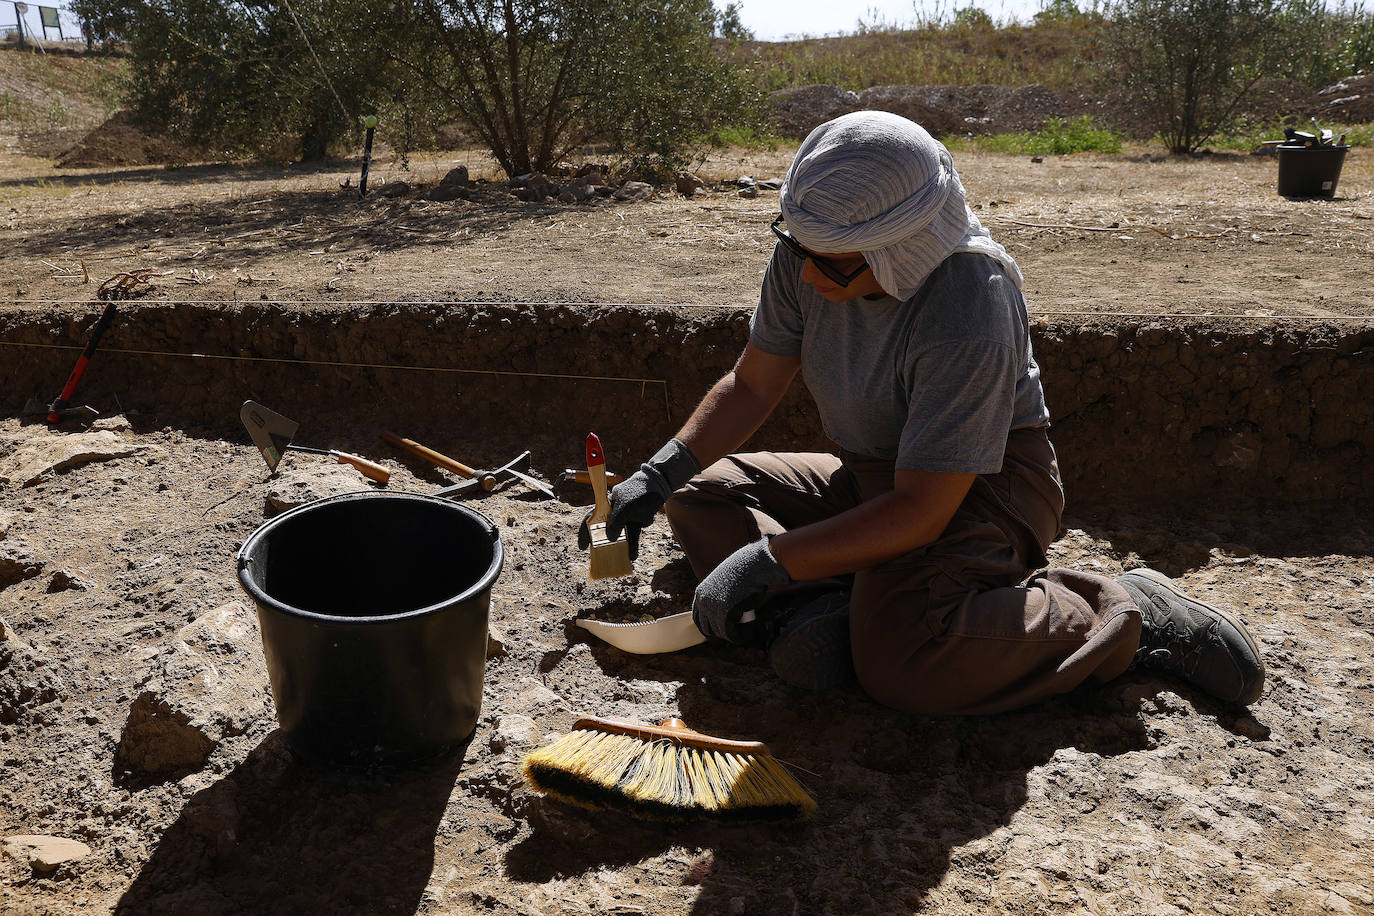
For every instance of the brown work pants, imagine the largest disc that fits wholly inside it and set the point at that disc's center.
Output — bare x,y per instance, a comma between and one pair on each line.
953,627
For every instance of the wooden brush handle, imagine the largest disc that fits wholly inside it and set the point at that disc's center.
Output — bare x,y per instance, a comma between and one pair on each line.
369,469
596,471
440,459
674,730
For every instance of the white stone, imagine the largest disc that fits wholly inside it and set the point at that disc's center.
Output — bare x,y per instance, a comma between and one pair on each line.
513,730
45,853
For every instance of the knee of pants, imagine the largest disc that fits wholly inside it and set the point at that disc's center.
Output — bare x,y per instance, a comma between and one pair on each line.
703,493
903,684
899,688
893,633
678,505
882,664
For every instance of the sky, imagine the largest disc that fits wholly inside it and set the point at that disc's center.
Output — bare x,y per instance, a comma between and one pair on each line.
773,20
769,20
33,24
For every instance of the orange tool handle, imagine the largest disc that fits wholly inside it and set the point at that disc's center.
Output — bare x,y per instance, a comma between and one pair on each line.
439,459
571,475
674,730
369,469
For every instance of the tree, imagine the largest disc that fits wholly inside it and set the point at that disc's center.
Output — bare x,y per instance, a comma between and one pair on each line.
538,79
1187,64
730,26
535,79
237,77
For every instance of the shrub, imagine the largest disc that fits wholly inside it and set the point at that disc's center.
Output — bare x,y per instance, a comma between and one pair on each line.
1187,64
1057,137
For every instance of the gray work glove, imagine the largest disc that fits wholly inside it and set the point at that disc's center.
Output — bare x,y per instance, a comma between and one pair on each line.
636,499
738,584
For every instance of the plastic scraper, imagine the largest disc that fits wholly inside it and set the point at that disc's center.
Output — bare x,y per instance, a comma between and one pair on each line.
667,634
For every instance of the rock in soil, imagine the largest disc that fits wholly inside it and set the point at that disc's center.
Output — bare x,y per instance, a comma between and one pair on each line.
309,478
45,853
43,457
209,684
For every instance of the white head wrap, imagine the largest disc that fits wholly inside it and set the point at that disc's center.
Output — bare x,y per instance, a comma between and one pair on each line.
877,183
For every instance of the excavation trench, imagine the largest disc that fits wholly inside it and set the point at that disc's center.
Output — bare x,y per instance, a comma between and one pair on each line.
1195,411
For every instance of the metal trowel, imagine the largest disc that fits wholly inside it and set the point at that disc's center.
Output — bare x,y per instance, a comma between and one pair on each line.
272,434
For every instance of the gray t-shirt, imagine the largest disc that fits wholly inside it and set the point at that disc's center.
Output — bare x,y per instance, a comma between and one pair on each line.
935,382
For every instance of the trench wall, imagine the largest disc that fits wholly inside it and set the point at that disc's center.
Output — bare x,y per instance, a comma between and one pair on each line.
1197,411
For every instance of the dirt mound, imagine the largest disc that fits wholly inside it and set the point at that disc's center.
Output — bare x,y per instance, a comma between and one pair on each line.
119,142
798,110
943,110
1350,101
913,102
1278,99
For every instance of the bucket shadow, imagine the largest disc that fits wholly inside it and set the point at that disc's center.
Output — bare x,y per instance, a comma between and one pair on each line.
278,835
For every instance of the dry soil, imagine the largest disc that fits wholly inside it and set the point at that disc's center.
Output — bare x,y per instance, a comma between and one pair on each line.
135,714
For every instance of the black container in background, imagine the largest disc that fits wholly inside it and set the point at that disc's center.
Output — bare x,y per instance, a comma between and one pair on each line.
1310,171
373,608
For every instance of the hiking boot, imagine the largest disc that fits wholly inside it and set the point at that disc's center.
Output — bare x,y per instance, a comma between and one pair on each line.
811,646
1182,637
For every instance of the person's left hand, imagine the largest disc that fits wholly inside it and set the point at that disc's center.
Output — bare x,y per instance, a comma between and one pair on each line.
732,588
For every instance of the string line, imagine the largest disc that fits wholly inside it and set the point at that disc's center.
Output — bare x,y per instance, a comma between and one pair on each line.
1034,313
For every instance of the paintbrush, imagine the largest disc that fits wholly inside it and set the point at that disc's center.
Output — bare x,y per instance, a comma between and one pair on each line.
608,558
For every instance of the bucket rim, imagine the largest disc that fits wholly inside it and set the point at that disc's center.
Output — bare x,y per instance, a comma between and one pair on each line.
484,583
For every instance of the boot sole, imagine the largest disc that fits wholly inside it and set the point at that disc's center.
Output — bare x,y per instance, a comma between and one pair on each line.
1165,582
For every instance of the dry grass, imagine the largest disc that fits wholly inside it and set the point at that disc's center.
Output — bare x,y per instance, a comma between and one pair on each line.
1061,54
58,90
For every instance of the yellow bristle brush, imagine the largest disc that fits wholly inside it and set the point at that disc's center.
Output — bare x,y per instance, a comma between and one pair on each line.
666,772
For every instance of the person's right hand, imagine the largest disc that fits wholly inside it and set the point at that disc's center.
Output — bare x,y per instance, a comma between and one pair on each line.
636,499
634,503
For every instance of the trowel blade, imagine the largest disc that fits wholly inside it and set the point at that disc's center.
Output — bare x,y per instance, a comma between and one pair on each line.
271,432
667,634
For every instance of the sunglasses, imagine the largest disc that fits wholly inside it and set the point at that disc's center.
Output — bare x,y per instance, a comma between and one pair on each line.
832,273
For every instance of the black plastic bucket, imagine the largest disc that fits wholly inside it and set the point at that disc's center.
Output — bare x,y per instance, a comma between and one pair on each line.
373,608
1310,171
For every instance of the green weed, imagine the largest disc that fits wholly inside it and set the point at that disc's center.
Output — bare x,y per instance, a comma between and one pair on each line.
1057,137
743,136
1247,137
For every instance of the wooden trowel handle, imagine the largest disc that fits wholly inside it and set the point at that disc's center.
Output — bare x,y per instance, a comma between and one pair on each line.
439,459
369,469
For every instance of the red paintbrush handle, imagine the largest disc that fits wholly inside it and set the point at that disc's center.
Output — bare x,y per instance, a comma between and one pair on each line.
596,470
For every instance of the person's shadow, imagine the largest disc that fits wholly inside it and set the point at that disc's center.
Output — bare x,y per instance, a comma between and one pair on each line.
897,794
278,835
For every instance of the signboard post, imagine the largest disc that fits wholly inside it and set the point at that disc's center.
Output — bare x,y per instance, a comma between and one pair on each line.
19,10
